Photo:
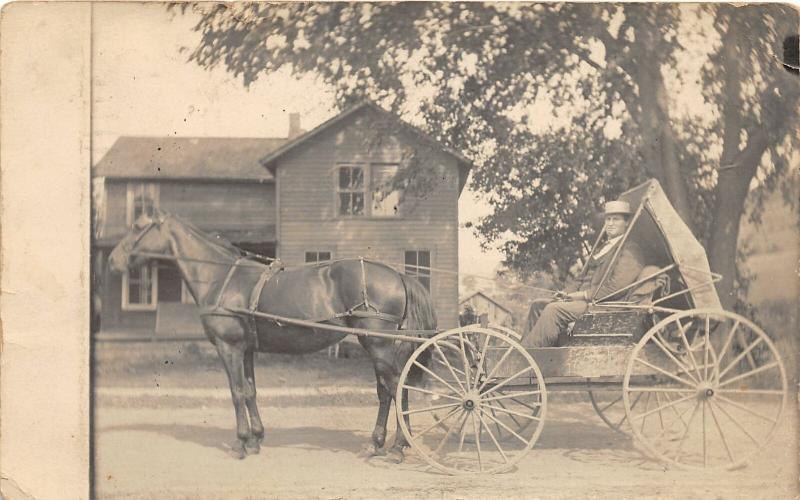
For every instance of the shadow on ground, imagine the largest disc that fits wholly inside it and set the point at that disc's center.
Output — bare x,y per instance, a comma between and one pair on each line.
304,438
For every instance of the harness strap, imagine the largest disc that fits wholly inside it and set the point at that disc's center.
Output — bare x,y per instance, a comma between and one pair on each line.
364,284
354,312
255,295
227,280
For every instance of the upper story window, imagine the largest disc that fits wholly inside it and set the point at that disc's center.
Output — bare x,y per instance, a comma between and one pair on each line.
351,190
142,198
418,265
318,256
365,190
385,200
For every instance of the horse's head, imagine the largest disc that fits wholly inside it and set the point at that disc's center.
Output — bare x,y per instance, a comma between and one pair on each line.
146,236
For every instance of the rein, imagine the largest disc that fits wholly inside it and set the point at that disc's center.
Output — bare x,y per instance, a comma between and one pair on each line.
395,265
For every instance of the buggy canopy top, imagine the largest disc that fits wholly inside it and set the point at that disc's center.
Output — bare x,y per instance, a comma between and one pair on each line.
669,244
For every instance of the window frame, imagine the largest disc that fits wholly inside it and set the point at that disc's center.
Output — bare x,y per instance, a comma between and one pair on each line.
373,189
131,196
430,266
368,191
338,189
135,306
317,252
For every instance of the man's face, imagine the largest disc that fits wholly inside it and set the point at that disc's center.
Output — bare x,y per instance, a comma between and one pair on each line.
616,225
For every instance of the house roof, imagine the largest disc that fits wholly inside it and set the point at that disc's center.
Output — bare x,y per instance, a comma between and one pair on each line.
468,297
270,160
231,158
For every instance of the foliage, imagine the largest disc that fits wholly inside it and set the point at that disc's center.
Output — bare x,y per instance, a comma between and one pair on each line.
560,106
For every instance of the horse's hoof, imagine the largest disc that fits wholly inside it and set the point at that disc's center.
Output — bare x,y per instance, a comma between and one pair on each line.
395,456
252,448
237,451
370,450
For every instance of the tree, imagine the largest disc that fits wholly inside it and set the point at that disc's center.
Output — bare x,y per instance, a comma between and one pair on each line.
561,106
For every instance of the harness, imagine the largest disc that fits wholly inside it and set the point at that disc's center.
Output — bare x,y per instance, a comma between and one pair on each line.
363,309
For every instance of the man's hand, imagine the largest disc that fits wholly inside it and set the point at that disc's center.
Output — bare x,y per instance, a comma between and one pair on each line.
579,295
559,295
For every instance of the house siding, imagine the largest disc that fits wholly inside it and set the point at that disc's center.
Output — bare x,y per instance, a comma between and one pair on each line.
309,221
211,206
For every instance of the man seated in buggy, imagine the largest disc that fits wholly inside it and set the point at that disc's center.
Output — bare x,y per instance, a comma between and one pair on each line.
609,269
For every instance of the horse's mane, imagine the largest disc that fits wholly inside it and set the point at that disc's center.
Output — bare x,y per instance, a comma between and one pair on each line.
214,240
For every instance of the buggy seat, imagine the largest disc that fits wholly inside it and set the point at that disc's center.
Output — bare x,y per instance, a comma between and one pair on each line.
614,325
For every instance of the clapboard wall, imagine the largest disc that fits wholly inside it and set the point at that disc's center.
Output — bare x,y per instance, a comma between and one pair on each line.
211,205
308,218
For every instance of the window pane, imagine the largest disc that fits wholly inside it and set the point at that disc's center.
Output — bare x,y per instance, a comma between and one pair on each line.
311,256
385,200
324,256
411,258
424,259
140,285
357,181
344,204
344,177
358,204
133,293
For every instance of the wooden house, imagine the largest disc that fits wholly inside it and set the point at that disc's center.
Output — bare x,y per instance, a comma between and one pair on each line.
216,183
325,194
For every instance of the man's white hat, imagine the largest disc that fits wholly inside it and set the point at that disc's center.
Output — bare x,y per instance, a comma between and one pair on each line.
617,207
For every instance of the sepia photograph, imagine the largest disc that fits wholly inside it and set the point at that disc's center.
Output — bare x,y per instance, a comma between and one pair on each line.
438,250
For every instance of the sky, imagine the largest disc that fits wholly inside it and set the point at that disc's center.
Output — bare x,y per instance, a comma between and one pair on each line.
142,85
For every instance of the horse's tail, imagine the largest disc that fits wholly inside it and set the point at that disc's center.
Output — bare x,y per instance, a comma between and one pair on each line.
419,314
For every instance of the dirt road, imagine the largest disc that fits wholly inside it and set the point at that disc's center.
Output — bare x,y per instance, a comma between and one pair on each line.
176,448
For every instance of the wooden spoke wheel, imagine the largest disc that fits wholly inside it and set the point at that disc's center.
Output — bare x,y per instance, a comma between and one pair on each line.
610,407
507,331
711,388
482,405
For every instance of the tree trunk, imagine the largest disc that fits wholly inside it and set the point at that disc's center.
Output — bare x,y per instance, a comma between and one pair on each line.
660,156
732,188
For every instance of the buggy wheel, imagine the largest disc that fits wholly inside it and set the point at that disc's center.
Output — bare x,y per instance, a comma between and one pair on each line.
611,410
712,386
507,331
485,401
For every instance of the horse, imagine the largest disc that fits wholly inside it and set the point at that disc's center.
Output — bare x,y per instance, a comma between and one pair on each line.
355,293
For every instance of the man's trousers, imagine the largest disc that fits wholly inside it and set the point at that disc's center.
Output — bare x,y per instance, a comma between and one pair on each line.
546,318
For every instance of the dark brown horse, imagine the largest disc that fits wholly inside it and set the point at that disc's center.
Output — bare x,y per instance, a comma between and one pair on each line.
351,292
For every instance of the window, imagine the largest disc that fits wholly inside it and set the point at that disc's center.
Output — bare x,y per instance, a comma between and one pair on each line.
142,198
317,256
350,190
418,265
140,288
385,201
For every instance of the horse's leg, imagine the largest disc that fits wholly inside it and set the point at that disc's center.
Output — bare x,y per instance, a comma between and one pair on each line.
387,364
414,378
384,395
379,433
256,427
233,359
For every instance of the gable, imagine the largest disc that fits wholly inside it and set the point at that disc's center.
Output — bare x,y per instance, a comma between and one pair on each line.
375,119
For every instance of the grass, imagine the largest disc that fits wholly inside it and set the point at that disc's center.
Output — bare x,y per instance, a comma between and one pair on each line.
779,319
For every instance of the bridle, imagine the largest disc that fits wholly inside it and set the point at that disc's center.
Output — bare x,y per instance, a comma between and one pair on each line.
156,222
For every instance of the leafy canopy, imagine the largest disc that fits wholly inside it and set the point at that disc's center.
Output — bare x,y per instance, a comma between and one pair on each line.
561,106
